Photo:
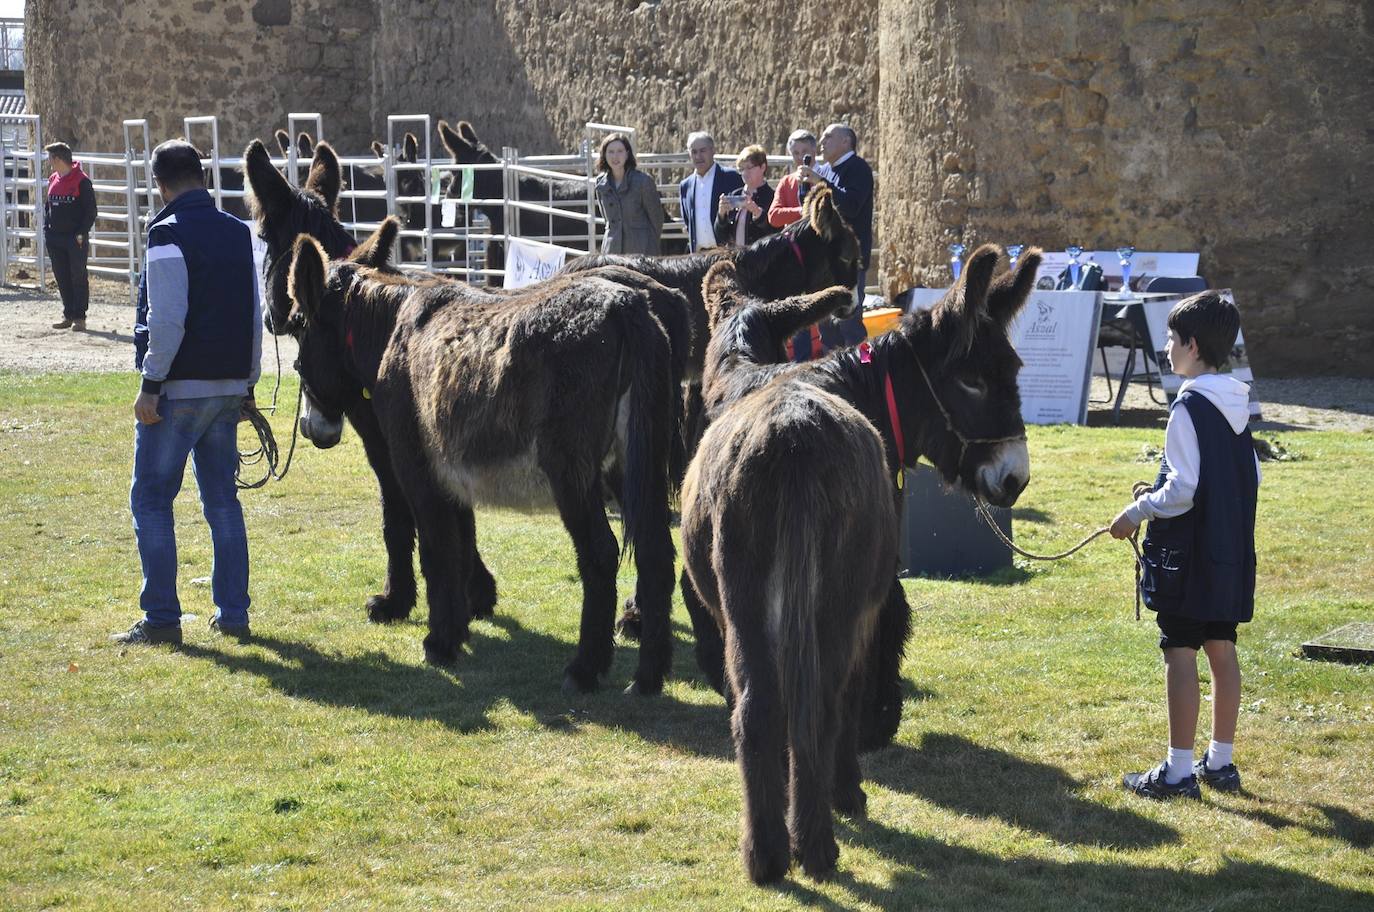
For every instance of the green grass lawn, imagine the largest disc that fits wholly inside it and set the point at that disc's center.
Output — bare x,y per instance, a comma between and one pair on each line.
324,765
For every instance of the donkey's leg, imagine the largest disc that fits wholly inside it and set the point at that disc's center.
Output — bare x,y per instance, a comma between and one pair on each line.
397,597
881,702
446,550
759,730
481,585
848,797
812,773
710,648
654,559
597,558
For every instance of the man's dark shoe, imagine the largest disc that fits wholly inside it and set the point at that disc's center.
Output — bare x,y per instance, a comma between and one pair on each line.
1152,784
237,631
64,323
1226,779
143,633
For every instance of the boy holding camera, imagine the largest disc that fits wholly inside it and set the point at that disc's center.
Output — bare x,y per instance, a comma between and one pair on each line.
1198,567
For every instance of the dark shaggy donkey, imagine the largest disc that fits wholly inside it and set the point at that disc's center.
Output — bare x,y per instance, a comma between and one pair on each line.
506,399
792,546
283,212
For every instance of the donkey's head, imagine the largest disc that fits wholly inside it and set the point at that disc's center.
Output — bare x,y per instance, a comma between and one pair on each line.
818,251
283,212
463,144
319,293
305,146
965,360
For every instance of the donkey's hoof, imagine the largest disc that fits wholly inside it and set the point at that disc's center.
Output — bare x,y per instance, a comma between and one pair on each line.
384,609
630,625
642,687
819,858
440,653
482,597
851,802
767,861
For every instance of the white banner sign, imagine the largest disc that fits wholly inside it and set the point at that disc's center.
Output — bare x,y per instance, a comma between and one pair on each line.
1055,335
528,262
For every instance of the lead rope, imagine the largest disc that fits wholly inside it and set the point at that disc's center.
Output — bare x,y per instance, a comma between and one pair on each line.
267,443
1136,490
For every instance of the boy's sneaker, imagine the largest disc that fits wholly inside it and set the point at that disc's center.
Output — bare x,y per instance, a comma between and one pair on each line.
1153,784
237,631
142,633
1226,779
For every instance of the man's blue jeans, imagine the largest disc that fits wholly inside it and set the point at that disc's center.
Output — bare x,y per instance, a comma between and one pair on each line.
206,430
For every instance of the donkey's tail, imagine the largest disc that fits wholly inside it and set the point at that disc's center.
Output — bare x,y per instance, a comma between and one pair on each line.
650,425
793,603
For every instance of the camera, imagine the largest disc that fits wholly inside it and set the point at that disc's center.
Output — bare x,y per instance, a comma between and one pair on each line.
807,159
735,200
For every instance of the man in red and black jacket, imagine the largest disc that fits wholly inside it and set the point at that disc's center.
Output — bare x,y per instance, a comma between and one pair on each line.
68,216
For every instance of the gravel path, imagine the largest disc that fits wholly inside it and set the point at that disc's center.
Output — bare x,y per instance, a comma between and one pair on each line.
1312,403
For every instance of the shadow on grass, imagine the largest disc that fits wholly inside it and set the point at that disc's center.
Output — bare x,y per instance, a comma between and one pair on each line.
980,781
1341,824
932,873
506,665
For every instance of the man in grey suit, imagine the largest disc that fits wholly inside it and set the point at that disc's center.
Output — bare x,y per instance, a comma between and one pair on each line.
700,192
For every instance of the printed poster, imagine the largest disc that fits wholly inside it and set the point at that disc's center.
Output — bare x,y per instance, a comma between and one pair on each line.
528,262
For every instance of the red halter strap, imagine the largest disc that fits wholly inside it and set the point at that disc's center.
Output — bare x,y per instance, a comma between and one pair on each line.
893,417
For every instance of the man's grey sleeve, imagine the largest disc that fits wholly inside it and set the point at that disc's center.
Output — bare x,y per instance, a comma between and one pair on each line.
255,371
168,288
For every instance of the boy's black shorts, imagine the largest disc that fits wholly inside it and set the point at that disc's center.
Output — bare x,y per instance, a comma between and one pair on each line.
1177,631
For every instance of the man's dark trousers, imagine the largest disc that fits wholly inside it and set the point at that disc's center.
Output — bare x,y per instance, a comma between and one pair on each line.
68,260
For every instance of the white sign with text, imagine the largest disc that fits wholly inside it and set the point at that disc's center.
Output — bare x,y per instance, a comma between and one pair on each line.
1055,335
528,262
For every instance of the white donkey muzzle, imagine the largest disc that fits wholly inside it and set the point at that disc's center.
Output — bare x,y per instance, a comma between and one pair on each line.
1001,479
318,429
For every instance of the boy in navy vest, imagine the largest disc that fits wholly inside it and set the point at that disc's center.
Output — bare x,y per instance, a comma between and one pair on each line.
1198,572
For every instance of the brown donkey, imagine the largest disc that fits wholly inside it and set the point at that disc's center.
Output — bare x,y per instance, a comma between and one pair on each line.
791,543
512,399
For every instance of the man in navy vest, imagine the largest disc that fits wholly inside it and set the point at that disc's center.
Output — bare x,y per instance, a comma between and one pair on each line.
198,345
1198,557
699,193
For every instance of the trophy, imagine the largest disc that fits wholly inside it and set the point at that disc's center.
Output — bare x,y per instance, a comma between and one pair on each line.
1075,271
1014,253
956,259
1123,255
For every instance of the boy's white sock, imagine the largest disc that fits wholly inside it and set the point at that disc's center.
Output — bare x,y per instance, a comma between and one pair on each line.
1180,765
1218,755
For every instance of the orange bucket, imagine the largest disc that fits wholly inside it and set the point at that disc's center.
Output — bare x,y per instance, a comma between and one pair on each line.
881,319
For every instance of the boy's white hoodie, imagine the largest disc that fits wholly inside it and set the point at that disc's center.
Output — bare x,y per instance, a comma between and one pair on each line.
1175,496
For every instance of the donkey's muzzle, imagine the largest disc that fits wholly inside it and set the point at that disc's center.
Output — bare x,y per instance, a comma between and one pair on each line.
1001,480
318,429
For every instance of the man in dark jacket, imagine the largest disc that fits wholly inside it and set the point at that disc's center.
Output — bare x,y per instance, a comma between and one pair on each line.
68,215
198,345
699,192
851,179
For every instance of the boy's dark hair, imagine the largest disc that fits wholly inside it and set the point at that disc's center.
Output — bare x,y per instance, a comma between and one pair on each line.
177,164
1210,319
59,150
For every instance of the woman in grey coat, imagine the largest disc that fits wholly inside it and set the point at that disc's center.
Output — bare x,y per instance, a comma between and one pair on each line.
629,200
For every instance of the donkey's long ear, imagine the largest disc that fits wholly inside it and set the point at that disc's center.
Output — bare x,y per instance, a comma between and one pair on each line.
956,316
1011,288
451,140
283,140
272,195
720,291
378,149
306,284
468,133
305,146
325,176
376,250
410,149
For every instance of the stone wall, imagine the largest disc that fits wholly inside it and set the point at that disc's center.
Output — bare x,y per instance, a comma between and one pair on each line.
1237,129
531,73
90,65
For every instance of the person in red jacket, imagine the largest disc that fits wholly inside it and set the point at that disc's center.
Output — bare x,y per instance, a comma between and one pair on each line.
68,214
786,207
